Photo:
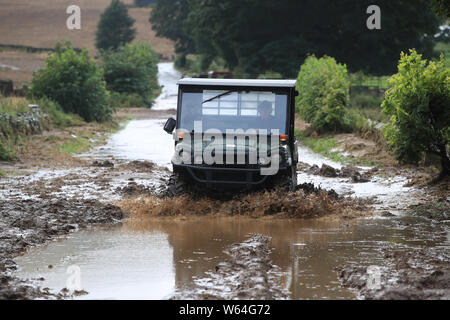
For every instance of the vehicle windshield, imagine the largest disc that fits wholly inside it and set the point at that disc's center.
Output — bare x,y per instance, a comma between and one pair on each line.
233,109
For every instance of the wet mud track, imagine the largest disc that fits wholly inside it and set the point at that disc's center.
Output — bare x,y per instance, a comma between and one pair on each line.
27,223
201,256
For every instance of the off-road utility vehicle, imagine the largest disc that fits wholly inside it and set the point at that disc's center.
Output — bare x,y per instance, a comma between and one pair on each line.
233,134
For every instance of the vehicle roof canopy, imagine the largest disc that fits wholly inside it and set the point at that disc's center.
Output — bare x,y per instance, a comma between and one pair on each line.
237,82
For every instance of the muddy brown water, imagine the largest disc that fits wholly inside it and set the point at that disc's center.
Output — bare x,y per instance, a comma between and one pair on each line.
151,259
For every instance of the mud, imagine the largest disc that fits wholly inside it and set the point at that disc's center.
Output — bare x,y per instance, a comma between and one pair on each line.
44,199
436,211
422,274
312,203
28,223
247,274
354,174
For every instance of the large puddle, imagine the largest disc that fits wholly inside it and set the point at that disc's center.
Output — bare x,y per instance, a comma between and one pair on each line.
151,259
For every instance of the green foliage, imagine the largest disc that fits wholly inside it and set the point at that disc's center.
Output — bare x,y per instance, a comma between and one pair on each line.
441,7
323,87
255,36
132,70
444,48
6,152
123,100
360,79
366,100
417,102
115,27
56,114
75,82
168,20
12,105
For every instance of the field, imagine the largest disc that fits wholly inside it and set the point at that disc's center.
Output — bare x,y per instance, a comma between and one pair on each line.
41,23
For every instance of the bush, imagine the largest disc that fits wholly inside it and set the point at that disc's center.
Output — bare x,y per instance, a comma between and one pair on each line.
323,87
132,70
115,27
75,82
417,102
123,100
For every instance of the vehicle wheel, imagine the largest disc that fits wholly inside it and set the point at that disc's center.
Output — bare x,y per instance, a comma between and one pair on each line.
177,185
287,180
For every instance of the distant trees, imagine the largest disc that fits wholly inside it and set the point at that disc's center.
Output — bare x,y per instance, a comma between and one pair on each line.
168,20
255,36
418,101
115,27
442,7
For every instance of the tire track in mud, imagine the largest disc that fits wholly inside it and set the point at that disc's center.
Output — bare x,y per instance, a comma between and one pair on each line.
248,274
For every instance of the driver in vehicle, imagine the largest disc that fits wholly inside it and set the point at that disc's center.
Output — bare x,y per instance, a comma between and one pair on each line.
267,120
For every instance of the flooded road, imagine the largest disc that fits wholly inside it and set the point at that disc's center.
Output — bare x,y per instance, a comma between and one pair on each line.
157,258
151,259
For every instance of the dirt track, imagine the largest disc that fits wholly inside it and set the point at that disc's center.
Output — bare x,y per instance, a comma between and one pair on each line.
29,223
248,274
50,200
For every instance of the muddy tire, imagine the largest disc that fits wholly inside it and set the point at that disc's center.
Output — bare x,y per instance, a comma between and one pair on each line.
177,185
286,181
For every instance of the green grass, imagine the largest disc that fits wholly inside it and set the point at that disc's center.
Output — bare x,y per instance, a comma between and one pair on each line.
7,152
78,145
324,146
12,105
57,116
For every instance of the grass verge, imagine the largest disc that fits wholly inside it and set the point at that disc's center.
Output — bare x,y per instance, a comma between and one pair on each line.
326,145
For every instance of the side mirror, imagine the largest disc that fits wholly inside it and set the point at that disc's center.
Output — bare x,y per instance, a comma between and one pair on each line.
170,125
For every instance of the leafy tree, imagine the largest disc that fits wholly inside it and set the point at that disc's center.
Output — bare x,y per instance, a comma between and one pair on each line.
442,7
115,27
418,102
323,87
255,36
75,82
132,70
168,19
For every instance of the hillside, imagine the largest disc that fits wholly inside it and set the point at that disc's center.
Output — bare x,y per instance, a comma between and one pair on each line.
41,23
